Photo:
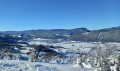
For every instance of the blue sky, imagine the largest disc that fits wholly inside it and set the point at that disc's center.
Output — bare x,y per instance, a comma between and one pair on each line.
58,14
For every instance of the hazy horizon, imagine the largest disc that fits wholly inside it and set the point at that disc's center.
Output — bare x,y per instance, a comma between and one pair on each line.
58,28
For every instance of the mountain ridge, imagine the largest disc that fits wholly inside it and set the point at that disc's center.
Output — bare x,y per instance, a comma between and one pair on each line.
77,34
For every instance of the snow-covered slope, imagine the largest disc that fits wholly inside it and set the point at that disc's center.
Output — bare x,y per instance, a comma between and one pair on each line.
14,65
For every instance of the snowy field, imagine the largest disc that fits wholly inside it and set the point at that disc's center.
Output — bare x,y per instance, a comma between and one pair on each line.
84,47
14,65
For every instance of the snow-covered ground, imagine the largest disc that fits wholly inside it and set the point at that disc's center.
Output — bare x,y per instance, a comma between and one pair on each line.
14,65
78,56
84,47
